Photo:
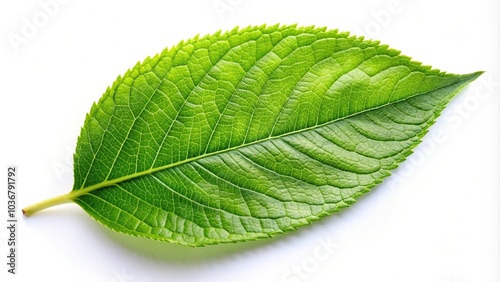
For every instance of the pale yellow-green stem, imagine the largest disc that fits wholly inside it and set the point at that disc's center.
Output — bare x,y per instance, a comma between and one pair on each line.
58,200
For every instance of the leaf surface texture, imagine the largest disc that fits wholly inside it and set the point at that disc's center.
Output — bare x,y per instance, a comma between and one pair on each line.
242,135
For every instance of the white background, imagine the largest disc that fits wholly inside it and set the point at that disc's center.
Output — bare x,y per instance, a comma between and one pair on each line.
436,220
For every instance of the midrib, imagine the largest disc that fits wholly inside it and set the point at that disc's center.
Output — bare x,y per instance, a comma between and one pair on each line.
109,183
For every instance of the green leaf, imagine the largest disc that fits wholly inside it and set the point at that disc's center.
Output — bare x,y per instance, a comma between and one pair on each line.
246,134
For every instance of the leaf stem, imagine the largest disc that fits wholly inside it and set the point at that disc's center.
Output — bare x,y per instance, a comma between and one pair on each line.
58,200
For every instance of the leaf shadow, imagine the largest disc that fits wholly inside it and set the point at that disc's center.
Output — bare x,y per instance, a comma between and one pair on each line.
173,253
183,255
188,256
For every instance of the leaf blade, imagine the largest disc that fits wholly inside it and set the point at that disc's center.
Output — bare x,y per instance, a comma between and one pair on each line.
202,191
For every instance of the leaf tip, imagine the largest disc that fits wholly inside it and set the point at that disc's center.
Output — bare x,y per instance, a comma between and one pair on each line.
470,77
476,74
